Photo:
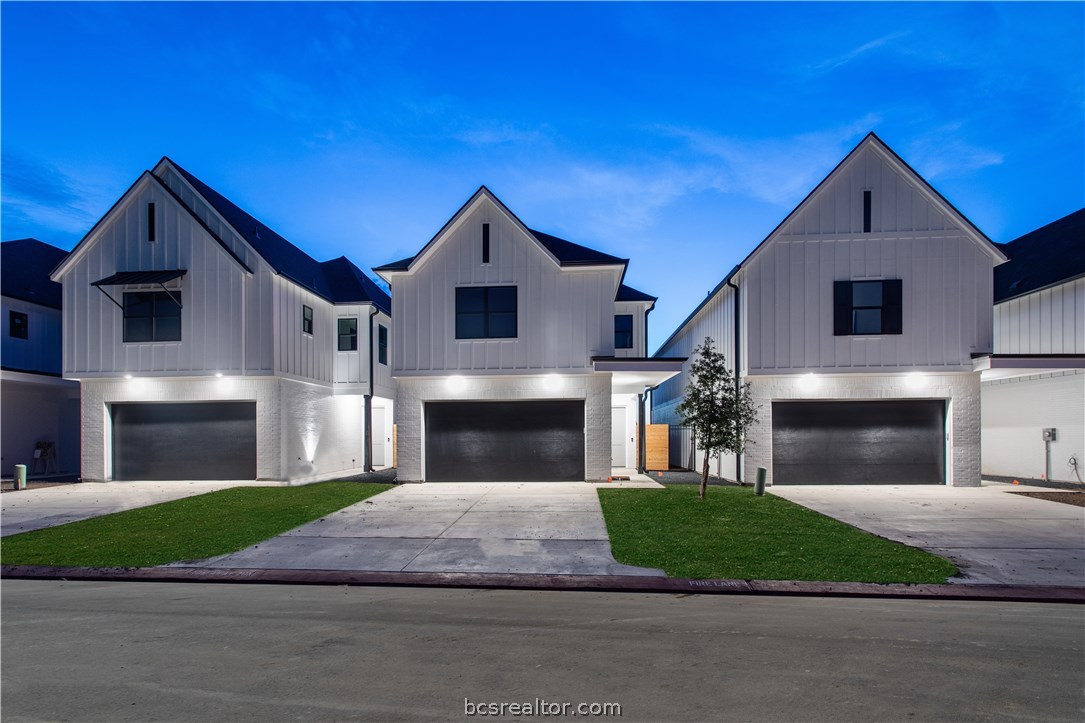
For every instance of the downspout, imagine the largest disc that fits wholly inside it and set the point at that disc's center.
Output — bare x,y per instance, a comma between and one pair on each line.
368,414
738,364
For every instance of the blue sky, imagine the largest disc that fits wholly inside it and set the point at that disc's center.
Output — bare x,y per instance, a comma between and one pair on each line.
677,135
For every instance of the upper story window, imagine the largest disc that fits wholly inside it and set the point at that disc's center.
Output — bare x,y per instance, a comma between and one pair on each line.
485,243
152,316
382,344
867,203
307,319
486,312
150,222
348,335
863,308
18,325
623,331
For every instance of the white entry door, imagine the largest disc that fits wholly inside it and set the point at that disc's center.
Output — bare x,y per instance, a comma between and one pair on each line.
380,443
617,437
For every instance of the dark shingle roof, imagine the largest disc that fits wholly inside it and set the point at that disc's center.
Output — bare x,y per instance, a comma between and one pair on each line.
1047,256
628,293
566,252
338,281
24,271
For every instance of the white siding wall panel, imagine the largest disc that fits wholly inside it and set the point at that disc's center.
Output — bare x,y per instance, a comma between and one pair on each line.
1015,413
945,281
1050,321
310,356
640,344
565,316
212,295
41,350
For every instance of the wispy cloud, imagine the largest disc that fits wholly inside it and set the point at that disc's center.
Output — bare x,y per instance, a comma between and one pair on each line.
486,134
39,198
943,153
778,171
831,64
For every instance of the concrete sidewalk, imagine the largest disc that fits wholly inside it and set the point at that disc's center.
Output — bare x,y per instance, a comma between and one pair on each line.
36,509
537,528
992,536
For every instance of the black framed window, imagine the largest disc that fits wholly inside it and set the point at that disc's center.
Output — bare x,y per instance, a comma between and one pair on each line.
623,331
152,316
486,312
348,335
864,308
867,208
382,344
307,319
485,243
150,222
18,325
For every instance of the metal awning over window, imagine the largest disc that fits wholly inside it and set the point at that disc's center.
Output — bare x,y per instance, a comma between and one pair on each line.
122,278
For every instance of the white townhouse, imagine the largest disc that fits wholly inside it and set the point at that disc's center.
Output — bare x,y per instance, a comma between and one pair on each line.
518,356
1033,386
39,411
856,323
210,347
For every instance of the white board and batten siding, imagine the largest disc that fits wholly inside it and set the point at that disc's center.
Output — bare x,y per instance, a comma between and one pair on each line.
564,315
716,320
40,351
352,367
946,275
215,294
639,311
1048,321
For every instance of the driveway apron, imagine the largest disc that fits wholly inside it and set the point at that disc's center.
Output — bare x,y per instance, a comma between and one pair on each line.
992,536
536,528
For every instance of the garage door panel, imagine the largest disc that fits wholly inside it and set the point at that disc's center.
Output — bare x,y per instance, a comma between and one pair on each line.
505,441
204,441
892,442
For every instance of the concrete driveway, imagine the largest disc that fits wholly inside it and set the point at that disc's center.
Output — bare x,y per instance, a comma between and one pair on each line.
36,509
993,537
541,528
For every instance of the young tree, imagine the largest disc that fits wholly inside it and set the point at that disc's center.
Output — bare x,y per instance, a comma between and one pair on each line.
716,411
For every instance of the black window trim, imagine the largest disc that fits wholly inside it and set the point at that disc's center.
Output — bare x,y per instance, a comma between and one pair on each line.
307,319
169,298
868,211
352,336
486,243
151,223
486,313
382,344
616,331
892,307
14,314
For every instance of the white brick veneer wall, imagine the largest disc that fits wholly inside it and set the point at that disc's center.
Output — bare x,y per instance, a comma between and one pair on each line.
413,393
962,390
292,420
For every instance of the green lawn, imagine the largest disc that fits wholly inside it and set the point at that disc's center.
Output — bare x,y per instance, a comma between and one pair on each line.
734,534
185,529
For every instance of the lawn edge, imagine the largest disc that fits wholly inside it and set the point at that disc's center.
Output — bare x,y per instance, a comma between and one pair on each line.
582,583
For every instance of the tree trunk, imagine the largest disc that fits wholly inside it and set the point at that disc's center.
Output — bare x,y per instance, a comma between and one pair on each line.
704,475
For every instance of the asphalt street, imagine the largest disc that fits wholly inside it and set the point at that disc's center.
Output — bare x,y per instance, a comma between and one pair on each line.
170,651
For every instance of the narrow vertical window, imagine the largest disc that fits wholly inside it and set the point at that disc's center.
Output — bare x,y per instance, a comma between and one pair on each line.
348,335
485,243
866,211
18,325
382,344
307,319
623,331
150,222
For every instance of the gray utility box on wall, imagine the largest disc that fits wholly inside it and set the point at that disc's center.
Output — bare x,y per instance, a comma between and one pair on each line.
1049,434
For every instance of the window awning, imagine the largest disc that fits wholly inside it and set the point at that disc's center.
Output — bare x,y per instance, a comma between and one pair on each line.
122,278
140,277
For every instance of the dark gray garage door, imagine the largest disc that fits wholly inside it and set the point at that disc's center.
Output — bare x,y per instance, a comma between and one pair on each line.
206,440
898,442
505,441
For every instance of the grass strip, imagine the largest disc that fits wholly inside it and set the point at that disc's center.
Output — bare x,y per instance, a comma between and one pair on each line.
192,528
734,534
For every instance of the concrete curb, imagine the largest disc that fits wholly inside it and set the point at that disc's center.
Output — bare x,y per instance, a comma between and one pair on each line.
596,583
